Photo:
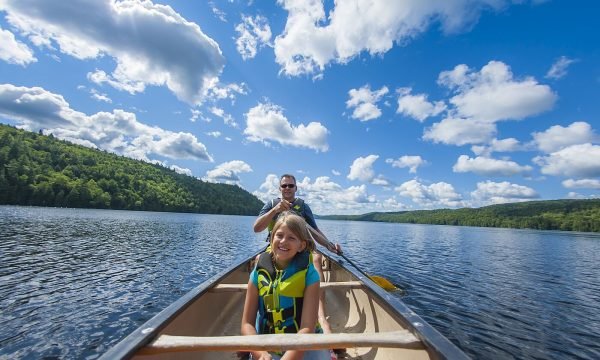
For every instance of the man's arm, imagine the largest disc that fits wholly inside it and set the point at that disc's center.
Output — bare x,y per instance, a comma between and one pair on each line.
319,237
317,234
268,213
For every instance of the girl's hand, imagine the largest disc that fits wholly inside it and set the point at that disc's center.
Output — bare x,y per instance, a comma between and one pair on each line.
261,355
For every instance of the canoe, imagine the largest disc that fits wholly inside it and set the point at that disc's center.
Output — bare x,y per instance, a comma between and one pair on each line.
367,321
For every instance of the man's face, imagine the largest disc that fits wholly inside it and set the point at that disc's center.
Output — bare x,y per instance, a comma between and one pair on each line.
287,186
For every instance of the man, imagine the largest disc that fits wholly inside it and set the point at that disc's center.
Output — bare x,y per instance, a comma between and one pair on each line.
288,201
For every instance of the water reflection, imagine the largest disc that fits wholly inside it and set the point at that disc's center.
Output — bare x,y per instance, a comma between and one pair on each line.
74,282
497,293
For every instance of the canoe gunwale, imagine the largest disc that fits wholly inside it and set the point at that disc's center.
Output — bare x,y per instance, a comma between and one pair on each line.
436,343
144,334
438,346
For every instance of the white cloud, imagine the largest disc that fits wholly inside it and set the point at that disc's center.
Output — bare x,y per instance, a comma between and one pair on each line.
490,192
323,195
228,91
151,43
559,68
227,172
364,102
457,131
489,167
180,170
119,132
440,194
492,94
579,161
335,172
266,122
582,184
574,195
411,162
504,145
417,106
558,137
214,134
362,168
96,95
484,98
227,118
100,77
254,33
198,114
269,189
312,39
220,14
13,51
380,180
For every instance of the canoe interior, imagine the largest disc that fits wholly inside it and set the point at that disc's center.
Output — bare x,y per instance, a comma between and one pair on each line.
348,310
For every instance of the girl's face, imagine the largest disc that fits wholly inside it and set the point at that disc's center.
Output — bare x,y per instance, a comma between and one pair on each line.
285,246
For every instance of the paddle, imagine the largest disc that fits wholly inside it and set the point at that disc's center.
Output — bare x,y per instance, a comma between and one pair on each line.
321,239
379,280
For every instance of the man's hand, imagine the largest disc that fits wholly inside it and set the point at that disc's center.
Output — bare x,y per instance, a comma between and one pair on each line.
336,248
283,205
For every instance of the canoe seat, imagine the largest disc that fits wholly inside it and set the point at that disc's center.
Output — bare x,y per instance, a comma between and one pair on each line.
324,285
281,342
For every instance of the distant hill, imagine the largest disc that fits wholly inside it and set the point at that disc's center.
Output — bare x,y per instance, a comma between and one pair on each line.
41,170
568,215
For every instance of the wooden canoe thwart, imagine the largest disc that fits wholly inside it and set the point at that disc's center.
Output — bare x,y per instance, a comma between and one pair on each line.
395,339
367,321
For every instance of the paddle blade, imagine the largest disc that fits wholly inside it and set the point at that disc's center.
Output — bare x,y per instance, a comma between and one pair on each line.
383,283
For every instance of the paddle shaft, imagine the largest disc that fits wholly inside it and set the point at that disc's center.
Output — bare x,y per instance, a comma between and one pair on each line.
354,265
317,236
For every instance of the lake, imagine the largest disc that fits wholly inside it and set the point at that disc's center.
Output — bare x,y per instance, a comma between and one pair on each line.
74,282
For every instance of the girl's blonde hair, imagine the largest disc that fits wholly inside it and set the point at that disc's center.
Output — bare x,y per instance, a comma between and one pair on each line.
297,225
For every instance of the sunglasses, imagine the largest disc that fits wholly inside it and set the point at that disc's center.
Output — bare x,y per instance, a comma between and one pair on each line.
288,186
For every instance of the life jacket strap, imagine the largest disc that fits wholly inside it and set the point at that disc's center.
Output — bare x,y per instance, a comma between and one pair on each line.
276,318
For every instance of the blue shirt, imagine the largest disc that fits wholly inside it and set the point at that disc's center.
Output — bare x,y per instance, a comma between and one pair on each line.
306,213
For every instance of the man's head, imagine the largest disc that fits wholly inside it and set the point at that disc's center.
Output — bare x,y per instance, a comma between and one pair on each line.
287,185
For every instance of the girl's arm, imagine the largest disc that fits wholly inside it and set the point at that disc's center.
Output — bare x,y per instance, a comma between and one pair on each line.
310,308
249,318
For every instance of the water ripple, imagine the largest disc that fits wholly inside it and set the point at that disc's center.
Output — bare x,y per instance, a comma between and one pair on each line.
75,282
497,293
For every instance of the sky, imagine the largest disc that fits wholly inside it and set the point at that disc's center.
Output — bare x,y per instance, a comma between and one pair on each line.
373,105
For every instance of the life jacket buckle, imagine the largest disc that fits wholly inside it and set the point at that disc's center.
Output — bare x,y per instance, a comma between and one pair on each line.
278,317
269,301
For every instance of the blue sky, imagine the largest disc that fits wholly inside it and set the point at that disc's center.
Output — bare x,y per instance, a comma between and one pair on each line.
372,105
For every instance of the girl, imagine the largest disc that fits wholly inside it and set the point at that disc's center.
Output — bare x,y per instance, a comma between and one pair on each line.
284,289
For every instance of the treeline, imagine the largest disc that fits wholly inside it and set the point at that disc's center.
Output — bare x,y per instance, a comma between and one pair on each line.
44,171
567,215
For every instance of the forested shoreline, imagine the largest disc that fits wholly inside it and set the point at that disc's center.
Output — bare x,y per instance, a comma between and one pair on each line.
43,171
566,215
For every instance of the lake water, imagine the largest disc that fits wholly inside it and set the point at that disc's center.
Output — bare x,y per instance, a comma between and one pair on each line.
74,282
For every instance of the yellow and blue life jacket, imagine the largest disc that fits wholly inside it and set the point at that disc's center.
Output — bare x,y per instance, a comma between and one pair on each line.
281,294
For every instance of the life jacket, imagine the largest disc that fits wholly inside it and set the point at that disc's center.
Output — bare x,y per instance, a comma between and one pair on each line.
297,207
281,294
